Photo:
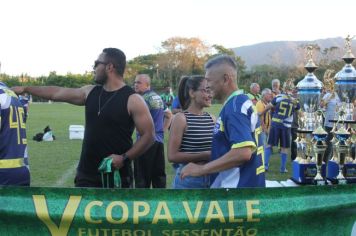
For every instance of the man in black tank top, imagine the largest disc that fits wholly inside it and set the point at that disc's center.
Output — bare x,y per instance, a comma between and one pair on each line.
112,110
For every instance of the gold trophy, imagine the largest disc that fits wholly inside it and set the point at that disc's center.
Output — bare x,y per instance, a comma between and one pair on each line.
319,147
298,158
345,84
342,168
309,93
300,140
329,86
342,149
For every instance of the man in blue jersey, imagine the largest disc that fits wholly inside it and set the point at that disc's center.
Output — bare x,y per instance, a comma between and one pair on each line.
14,168
149,168
282,117
237,148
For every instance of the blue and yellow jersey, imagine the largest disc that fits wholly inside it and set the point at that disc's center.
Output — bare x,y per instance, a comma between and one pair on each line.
157,107
13,142
238,126
284,107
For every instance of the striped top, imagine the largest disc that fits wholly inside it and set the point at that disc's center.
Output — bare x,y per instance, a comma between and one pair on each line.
199,133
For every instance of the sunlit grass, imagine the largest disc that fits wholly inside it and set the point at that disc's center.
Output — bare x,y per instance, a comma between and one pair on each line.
54,163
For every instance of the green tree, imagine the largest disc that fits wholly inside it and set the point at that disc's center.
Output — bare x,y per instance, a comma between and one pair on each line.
182,56
146,64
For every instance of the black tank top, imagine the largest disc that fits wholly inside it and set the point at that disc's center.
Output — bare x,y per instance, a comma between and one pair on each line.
107,133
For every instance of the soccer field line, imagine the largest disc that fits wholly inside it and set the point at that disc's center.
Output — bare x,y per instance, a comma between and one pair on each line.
66,176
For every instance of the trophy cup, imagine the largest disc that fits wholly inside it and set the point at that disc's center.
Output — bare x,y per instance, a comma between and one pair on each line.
342,169
342,149
319,147
346,82
300,141
309,93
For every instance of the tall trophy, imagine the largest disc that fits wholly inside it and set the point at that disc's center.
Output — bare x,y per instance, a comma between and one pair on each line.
342,149
309,92
345,84
342,167
319,147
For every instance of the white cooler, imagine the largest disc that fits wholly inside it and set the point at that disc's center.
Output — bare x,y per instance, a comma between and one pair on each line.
76,132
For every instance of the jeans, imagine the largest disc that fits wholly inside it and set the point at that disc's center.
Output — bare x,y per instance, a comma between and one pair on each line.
189,181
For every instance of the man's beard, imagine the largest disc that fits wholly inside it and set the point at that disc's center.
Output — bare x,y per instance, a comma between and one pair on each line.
100,79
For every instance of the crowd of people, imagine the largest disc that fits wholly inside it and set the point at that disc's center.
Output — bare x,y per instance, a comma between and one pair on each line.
228,151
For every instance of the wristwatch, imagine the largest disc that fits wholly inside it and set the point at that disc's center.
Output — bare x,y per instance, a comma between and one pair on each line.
125,157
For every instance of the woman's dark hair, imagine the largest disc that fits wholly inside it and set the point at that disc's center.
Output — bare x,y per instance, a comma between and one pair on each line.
185,84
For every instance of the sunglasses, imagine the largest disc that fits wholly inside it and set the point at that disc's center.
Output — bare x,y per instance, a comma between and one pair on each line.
97,62
205,90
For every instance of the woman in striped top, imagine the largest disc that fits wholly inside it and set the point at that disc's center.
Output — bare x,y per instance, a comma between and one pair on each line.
191,131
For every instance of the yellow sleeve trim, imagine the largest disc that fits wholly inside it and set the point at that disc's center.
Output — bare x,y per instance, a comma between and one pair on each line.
11,163
222,127
245,144
260,170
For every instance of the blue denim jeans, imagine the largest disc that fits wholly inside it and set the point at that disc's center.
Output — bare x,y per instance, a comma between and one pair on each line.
190,182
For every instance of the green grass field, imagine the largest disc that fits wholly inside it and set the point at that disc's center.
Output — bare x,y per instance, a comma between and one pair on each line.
54,163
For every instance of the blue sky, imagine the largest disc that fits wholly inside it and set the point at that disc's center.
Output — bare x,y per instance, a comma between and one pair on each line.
39,36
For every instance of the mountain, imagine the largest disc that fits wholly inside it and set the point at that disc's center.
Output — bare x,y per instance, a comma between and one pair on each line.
290,52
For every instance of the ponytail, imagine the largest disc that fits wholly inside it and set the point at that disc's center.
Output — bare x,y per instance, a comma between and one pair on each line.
183,93
185,84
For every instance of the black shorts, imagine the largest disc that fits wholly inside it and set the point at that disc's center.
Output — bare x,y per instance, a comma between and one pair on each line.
149,168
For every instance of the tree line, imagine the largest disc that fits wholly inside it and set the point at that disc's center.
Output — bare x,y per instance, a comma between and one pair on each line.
180,56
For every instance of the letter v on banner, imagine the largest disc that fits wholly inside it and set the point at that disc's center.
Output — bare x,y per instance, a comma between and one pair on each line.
67,217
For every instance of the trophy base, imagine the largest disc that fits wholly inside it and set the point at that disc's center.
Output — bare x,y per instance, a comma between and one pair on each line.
320,182
305,173
341,181
349,172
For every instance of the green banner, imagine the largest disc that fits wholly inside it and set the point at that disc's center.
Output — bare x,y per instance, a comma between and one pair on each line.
309,210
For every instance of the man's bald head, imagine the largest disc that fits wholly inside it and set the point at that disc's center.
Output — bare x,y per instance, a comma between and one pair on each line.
144,78
142,83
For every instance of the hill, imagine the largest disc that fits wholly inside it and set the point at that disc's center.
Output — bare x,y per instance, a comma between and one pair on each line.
290,52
